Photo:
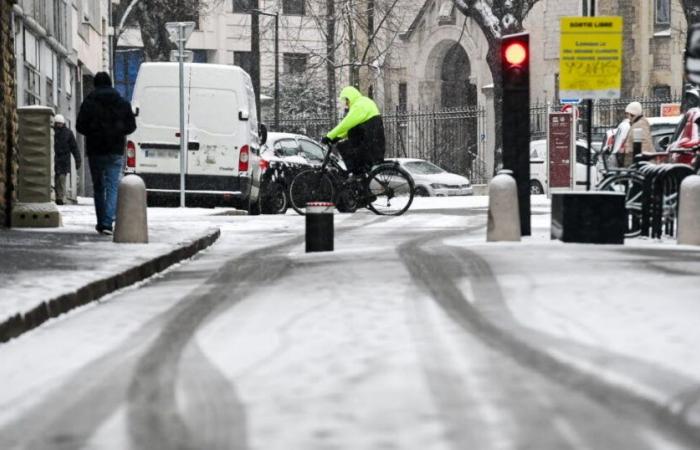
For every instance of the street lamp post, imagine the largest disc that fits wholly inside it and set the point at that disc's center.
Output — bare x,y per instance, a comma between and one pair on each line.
277,59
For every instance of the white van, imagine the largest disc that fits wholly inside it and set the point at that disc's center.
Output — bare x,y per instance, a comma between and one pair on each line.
223,135
538,168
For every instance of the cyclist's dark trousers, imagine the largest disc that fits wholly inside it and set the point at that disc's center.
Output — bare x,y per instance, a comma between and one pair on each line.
365,145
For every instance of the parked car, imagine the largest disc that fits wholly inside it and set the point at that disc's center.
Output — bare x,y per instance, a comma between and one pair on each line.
282,157
538,167
662,130
431,180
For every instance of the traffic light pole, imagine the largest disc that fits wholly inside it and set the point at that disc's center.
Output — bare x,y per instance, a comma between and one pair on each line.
515,118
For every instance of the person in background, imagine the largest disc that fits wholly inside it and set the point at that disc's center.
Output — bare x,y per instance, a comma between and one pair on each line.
63,146
105,119
637,121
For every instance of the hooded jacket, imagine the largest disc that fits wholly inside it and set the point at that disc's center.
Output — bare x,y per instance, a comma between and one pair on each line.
63,145
105,119
361,110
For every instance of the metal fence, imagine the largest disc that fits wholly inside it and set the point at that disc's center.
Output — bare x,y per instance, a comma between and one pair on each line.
450,138
607,114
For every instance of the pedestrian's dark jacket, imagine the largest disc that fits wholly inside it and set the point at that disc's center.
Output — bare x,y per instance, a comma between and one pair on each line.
105,119
63,145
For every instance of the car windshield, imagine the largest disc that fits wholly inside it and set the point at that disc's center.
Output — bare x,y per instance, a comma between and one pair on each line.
422,168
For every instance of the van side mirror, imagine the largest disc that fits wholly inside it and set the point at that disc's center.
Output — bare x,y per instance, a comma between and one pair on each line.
262,132
136,111
243,115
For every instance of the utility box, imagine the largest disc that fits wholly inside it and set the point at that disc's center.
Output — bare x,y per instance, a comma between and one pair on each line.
35,205
589,217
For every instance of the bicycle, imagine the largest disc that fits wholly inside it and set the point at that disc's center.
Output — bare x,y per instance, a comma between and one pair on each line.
385,189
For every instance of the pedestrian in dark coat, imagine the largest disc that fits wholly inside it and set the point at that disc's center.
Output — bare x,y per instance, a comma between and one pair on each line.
105,119
63,146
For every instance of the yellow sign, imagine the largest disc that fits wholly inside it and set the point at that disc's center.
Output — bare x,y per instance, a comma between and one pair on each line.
590,57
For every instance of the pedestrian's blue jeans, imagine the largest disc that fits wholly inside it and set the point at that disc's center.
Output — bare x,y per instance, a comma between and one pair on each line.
106,171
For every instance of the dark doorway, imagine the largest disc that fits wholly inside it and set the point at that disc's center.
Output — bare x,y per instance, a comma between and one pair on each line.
455,88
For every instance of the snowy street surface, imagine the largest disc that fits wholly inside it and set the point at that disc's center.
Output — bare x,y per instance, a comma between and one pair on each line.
413,334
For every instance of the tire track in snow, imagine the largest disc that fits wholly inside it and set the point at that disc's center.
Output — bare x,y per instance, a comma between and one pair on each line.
439,272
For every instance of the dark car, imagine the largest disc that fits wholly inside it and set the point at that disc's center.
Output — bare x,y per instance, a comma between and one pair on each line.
282,157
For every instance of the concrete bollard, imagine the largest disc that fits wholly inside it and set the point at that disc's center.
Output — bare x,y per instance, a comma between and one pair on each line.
504,215
319,227
131,222
689,211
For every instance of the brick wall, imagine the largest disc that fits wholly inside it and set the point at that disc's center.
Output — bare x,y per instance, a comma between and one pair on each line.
8,116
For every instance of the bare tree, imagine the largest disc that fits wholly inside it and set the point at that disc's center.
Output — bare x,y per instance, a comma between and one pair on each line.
151,16
496,18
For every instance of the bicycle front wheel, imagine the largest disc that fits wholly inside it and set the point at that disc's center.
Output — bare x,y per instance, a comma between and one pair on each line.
311,185
390,189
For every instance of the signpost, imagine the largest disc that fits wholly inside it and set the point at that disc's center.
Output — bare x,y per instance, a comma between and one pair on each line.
590,59
560,151
178,33
590,63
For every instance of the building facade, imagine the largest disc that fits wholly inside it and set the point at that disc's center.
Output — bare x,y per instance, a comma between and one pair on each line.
441,59
59,46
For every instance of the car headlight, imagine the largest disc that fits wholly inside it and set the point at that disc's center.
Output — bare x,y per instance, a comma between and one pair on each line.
438,186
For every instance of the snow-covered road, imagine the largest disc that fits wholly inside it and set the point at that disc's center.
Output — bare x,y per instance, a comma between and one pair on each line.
398,339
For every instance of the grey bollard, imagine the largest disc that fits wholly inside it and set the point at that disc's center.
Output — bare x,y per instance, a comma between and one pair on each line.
504,213
689,211
131,222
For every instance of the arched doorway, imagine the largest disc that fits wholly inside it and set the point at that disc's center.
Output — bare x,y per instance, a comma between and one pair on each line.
455,88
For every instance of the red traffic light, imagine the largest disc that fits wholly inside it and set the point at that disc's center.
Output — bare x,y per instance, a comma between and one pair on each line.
515,53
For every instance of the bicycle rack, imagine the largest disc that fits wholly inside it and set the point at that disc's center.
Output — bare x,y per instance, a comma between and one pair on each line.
660,197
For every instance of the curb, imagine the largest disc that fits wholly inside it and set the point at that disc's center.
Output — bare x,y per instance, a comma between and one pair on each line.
23,322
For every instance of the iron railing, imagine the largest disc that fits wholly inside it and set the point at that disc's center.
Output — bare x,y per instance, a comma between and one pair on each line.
452,138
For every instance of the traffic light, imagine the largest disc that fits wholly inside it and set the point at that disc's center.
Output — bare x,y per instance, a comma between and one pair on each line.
692,54
515,117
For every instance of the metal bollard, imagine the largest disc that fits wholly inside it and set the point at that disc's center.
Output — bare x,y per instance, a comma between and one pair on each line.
504,215
689,211
131,221
319,227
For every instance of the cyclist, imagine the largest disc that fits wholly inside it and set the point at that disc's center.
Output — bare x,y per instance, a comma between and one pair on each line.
362,131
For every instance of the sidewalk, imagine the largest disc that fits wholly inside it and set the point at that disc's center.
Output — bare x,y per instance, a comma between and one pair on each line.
45,272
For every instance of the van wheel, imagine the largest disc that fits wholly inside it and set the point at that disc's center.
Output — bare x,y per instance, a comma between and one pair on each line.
536,188
273,199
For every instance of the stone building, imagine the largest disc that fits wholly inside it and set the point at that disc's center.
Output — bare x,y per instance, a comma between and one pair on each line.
441,58
8,120
59,46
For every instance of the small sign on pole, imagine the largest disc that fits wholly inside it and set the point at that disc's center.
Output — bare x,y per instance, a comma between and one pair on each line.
590,58
560,153
670,109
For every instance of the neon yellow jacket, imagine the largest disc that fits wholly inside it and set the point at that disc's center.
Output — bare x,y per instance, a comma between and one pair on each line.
361,110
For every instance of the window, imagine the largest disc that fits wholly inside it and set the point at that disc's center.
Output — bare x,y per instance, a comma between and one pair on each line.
243,6
294,63
403,96
662,16
312,152
286,147
244,60
293,7
662,91
50,99
32,90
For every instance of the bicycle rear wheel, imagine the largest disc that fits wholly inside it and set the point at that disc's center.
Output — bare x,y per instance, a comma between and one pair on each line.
390,189
632,185
311,185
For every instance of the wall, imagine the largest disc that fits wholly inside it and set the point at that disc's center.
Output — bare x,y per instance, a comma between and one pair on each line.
8,118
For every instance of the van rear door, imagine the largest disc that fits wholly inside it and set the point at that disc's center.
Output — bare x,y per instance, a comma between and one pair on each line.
213,129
